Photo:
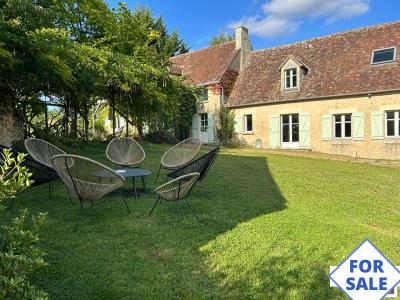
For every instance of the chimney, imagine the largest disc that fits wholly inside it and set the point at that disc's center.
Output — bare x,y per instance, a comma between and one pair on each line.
242,43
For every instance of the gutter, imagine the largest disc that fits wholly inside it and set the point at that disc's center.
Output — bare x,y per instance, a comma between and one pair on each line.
316,98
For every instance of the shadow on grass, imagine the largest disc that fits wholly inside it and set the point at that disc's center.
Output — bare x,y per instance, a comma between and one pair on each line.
117,255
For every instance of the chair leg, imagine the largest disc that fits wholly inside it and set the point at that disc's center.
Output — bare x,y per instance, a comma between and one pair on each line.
49,187
126,204
69,195
155,204
158,173
193,210
179,213
205,191
78,214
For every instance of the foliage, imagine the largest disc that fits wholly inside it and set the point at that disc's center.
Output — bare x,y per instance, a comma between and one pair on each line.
226,129
160,137
76,53
20,255
221,38
184,114
13,176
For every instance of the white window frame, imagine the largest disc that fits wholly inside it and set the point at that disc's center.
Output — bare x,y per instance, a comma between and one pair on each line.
245,123
203,123
291,76
343,126
291,143
383,62
396,124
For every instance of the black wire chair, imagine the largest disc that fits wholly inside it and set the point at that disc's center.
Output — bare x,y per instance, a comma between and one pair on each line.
201,165
41,174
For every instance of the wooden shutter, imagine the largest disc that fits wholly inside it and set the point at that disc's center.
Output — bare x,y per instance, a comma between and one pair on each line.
326,127
377,125
305,126
238,123
195,126
358,125
274,132
210,127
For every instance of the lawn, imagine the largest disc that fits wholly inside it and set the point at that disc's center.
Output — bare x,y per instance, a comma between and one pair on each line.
273,227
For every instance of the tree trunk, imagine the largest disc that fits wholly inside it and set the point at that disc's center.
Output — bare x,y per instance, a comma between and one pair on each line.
74,124
127,127
86,121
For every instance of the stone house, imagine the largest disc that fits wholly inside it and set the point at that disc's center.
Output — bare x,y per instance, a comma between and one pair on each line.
337,94
215,69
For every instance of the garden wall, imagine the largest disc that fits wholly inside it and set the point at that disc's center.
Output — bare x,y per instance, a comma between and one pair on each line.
10,128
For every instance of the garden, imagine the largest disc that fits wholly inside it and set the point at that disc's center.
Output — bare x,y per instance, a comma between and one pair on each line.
272,226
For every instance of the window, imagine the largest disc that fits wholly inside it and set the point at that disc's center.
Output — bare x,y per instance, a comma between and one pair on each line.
248,123
290,79
203,123
393,123
204,95
342,126
290,128
383,55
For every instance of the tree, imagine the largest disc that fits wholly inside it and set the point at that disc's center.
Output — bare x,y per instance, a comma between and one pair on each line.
221,38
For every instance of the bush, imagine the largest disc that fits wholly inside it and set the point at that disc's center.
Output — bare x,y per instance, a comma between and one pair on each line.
160,137
226,130
19,251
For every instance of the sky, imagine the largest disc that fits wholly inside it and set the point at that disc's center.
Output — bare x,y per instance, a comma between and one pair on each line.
270,22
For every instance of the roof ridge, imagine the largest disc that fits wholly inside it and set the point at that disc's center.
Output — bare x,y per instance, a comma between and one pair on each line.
329,36
203,49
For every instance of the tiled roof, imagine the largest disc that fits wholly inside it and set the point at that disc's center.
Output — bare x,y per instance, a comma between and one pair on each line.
206,65
339,64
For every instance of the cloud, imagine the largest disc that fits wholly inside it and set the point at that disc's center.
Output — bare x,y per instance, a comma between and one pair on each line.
280,17
268,26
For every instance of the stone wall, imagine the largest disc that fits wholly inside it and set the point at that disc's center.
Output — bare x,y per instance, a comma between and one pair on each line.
10,128
365,147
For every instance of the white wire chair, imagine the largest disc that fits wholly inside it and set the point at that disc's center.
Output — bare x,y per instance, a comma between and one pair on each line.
179,155
42,151
86,179
177,190
125,152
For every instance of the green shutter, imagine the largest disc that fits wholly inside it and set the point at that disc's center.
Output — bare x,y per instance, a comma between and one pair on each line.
305,126
358,125
274,132
326,127
377,120
195,126
210,127
238,123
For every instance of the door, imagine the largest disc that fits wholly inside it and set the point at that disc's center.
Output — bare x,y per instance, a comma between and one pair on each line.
290,131
203,134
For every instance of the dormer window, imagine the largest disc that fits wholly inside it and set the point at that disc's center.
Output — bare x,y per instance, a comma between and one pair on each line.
291,79
381,56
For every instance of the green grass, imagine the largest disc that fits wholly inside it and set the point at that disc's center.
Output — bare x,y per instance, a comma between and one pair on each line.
273,227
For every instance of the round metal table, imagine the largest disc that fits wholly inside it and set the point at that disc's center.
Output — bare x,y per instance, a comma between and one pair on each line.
134,172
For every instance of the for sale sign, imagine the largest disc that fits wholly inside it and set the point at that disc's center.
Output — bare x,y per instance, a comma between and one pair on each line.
366,274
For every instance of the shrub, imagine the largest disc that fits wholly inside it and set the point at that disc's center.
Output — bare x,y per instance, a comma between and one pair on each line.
160,137
226,130
19,251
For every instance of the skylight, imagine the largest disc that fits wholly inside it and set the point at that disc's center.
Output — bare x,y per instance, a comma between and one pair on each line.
381,56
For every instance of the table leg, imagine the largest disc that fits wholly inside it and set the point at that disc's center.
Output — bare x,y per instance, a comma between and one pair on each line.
144,185
134,188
